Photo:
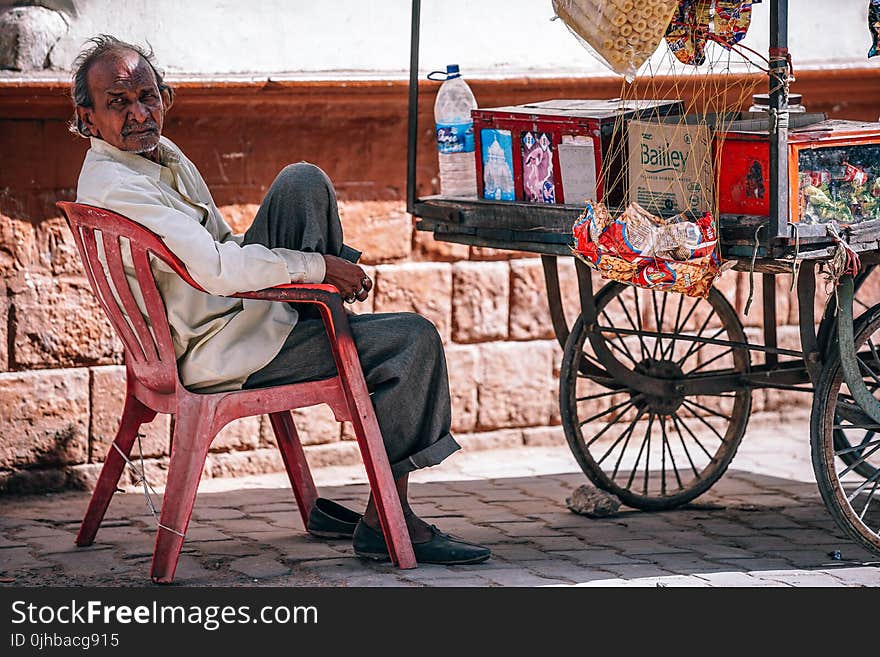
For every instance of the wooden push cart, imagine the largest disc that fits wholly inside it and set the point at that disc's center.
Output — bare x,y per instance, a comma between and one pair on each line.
656,389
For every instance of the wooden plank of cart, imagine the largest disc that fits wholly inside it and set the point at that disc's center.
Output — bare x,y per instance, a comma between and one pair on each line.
656,388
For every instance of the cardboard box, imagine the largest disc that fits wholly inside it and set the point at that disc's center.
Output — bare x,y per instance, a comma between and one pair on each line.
558,151
670,167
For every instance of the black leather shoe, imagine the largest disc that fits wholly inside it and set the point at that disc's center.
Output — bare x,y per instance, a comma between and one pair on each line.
328,519
440,548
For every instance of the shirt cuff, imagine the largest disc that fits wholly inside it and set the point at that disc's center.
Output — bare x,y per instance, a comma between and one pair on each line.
303,266
316,267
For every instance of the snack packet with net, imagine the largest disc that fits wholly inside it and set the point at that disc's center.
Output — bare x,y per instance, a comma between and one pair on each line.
678,254
623,34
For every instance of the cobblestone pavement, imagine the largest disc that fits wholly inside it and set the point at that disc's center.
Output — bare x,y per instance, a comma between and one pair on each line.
762,524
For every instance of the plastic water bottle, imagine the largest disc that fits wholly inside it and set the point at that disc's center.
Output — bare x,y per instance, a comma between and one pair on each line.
455,135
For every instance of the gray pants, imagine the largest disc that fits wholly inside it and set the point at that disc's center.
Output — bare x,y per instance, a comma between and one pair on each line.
401,354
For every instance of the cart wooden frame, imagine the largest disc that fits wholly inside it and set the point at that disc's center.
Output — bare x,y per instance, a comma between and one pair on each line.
609,347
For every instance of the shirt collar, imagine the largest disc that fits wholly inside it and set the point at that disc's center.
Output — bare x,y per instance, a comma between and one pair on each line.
167,157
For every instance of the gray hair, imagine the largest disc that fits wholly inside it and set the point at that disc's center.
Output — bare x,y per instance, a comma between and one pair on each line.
102,45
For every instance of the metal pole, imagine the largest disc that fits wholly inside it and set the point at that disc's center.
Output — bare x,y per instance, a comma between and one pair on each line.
413,120
778,113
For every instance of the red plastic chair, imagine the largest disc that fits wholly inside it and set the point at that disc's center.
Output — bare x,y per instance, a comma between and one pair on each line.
153,386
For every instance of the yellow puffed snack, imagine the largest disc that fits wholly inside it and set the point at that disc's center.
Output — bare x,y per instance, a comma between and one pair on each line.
623,33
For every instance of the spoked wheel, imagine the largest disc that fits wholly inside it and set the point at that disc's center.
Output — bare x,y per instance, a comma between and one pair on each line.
865,298
846,442
654,452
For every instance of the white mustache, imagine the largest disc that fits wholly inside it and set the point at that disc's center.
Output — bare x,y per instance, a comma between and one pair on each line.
139,128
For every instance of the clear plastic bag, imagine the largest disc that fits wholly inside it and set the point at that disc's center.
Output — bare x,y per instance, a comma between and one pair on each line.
622,34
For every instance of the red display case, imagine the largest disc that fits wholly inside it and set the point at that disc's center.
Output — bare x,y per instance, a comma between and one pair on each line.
526,140
834,172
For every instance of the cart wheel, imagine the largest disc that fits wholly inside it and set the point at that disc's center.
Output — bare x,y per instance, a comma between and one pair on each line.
848,468
862,302
827,339
655,452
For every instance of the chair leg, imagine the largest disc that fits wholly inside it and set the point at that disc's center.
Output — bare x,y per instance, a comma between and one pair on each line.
134,414
193,433
295,462
383,487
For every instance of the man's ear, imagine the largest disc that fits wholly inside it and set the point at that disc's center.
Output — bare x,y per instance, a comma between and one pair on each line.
167,96
85,125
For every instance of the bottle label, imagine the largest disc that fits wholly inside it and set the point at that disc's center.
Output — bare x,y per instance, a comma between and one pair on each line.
455,137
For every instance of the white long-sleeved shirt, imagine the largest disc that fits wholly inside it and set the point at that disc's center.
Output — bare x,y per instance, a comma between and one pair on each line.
218,341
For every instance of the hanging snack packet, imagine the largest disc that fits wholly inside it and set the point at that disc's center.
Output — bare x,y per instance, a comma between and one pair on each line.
687,33
874,26
732,19
623,34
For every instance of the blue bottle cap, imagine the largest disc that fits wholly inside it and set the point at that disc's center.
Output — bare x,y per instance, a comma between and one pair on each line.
452,71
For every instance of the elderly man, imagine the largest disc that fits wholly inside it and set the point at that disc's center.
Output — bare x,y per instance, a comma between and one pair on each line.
227,343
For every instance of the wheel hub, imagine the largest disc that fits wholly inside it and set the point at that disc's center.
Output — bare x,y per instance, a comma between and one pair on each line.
659,369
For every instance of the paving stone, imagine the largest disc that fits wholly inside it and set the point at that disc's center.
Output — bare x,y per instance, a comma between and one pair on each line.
217,513
376,581
556,543
272,507
723,528
463,582
428,572
507,577
858,576
633,571
561,569
204,534
13,560
526,529
516,552
241,526
734,579
38,531
599,557
306,550
685,563
532,506
11,543
336,570
763,542
799,578
88,561
190,571
259,566
646,547
284,519
231,547
680,581
45,545
757,563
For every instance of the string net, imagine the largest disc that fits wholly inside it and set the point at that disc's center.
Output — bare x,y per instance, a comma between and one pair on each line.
654,223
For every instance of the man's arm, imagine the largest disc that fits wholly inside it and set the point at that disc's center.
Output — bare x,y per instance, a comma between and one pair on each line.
221,268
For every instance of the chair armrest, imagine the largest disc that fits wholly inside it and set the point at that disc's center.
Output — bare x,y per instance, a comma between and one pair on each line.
326,297
320,293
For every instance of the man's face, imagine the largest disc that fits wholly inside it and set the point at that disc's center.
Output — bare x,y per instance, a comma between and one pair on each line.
128,110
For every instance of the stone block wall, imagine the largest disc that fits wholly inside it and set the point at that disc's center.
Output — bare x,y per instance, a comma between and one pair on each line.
61,372
62,382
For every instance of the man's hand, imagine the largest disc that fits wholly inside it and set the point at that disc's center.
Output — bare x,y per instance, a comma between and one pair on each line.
351,281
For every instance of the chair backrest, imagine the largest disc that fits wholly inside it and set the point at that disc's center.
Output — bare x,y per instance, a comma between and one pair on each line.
149,349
